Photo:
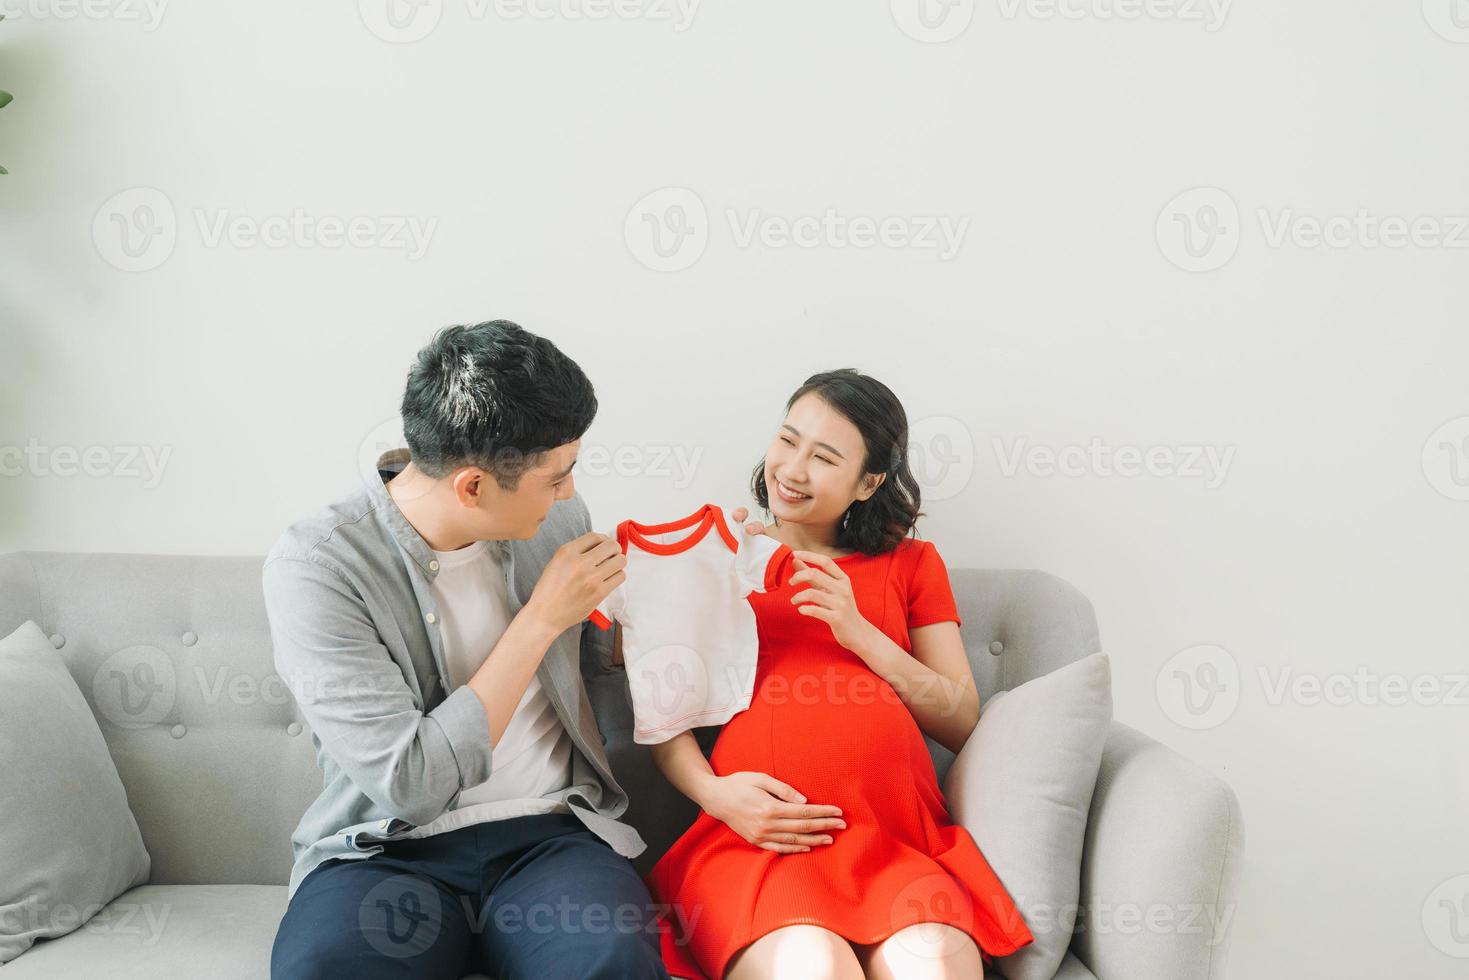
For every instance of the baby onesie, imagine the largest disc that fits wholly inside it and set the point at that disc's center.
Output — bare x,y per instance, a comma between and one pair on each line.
689,640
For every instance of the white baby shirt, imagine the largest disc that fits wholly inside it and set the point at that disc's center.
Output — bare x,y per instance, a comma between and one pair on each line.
689,639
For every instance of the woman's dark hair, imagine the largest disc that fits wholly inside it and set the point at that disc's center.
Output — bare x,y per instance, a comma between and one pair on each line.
493,395
877,524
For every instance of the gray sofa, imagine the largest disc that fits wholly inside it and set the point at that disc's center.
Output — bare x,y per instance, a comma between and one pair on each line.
218,783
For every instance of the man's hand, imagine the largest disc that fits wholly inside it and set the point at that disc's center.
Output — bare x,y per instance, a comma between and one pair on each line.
581,573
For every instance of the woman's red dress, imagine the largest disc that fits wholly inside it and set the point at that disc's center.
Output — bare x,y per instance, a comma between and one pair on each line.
825,723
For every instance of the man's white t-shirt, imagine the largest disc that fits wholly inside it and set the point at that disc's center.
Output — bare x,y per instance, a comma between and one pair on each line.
533,756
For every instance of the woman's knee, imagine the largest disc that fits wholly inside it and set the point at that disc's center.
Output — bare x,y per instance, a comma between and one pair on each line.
799,951
923,951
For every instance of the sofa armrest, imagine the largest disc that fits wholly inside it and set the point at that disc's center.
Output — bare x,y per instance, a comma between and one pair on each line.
1160,870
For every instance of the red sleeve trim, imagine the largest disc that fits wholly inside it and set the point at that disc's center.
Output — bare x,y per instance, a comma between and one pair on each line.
954,618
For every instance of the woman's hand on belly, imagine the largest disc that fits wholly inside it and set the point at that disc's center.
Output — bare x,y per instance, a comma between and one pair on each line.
770,814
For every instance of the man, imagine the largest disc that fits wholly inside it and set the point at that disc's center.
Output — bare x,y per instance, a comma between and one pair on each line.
431,627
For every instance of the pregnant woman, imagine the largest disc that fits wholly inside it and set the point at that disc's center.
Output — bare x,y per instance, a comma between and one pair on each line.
824,847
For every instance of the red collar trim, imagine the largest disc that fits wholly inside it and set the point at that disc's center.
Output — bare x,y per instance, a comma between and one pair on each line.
705,517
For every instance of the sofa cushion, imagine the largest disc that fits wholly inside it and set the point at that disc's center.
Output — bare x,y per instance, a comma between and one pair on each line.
167,932
1022,786
70,842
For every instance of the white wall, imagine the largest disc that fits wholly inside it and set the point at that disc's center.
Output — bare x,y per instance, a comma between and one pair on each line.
526,146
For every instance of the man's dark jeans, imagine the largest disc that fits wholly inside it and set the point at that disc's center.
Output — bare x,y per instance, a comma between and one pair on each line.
537,897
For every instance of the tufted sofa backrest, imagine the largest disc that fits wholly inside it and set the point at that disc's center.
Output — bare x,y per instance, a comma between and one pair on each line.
173,654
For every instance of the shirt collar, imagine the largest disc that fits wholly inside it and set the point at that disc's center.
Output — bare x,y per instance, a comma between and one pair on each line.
389,465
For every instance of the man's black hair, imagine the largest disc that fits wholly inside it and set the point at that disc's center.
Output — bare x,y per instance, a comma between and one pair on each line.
493,395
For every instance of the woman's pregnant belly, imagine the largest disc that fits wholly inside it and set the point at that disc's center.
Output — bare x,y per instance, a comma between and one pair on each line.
828,725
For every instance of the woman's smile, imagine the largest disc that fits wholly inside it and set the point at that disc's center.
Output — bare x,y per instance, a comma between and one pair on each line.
790,496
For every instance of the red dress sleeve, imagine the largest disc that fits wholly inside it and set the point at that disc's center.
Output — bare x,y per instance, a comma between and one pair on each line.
930,598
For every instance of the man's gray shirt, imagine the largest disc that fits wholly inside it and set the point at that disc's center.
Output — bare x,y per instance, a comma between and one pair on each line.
356,636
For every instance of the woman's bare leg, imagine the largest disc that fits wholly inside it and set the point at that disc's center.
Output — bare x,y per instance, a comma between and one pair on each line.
924,951
796,953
